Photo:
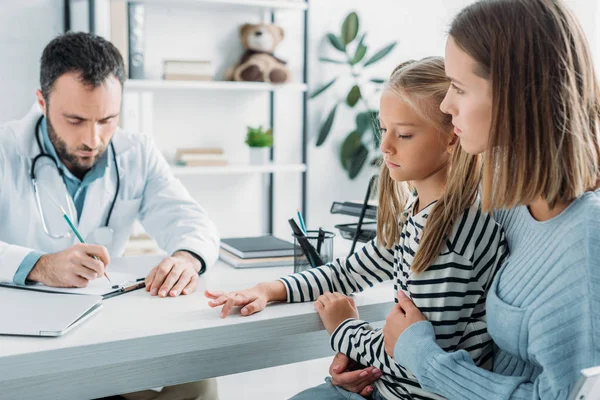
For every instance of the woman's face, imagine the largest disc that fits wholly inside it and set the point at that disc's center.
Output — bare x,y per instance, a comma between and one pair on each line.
469,100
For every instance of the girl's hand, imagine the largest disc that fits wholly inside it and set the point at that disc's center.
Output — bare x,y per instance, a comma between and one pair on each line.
403,315
252,300
335,308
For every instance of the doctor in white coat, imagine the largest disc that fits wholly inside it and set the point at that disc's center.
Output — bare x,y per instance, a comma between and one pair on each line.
68,153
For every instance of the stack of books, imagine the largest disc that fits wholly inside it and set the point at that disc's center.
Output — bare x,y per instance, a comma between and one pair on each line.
200,157
187,70
255,252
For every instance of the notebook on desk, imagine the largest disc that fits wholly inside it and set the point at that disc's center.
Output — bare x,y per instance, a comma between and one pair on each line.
258,247
35,313
121,283
237,262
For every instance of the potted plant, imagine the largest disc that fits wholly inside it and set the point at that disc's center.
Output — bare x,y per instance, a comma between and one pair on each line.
354,59
260,143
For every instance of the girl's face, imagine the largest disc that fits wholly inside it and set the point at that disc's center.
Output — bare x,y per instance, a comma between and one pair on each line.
412,148
469,100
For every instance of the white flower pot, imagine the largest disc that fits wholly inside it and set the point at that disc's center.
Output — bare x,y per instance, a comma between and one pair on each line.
260,155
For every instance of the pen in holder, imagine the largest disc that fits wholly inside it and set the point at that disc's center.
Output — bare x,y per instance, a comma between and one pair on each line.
323,242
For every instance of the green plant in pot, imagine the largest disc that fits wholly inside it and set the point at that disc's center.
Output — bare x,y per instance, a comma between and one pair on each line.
260,142
363,140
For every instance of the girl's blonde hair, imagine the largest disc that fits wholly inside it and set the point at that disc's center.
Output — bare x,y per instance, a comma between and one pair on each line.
545,130
423,85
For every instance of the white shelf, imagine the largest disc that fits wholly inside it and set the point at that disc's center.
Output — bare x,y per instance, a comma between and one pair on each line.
143,84
238,169
260,4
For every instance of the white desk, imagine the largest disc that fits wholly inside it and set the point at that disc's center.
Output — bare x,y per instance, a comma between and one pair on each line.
138,341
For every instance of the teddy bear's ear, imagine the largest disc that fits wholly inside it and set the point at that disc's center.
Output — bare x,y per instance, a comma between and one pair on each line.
281,32
244,29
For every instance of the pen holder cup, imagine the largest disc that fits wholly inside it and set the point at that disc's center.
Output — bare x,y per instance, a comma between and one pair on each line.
325,250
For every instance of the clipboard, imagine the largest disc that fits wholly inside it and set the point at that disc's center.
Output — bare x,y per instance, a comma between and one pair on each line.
98,287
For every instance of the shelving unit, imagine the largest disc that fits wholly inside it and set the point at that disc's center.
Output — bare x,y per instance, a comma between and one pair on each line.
141,84
266,5
152,90
238,169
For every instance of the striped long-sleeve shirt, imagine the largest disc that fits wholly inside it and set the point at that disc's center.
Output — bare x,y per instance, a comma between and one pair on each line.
451,293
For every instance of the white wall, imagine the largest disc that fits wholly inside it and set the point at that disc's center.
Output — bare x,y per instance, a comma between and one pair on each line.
26,26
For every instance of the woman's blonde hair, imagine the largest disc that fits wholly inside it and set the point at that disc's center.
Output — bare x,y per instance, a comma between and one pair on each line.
423,85
544,137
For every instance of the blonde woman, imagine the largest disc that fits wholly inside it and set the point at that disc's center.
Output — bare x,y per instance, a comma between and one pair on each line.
437,247
524,92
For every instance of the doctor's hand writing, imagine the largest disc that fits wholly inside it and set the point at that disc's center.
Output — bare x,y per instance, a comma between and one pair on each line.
252,300
175,275
73,267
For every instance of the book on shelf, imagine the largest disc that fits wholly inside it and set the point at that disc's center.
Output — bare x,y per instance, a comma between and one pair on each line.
202,163
353,208
258,247
187,70
200,157
238,262
198,150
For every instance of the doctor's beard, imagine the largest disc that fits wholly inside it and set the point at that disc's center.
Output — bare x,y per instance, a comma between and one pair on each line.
78,166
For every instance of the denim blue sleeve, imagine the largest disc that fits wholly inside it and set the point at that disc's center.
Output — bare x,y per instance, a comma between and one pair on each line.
25,268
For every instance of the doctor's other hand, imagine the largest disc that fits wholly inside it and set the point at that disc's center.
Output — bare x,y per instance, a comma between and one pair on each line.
73,267
175,275
252,300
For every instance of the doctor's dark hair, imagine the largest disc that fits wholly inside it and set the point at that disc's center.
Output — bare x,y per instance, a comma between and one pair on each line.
93,57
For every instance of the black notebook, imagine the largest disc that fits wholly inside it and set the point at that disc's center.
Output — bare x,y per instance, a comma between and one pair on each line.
258,247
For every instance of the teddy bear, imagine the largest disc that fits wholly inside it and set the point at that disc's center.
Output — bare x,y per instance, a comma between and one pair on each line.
259,64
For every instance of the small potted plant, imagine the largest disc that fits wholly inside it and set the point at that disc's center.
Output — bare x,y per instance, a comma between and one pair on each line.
260,143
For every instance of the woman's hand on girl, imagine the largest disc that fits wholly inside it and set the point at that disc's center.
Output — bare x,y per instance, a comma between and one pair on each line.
403,315
335,308
351,376
252,300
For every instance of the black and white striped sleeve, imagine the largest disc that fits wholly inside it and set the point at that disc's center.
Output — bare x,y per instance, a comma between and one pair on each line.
370,265
359,341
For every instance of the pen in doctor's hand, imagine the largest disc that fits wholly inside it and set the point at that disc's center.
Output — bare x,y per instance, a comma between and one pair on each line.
76,232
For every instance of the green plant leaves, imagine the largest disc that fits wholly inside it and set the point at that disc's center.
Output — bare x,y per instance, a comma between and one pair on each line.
377,80
361,51
256,137
353,154
326,128
329,60
322,88
349,28
380,54
335,42
353,96
357,161
366,121
350,145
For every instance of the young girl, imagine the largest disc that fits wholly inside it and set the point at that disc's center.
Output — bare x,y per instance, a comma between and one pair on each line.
437,247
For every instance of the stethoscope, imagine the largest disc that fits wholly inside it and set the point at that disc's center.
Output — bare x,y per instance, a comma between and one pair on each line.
105,233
